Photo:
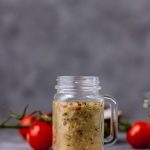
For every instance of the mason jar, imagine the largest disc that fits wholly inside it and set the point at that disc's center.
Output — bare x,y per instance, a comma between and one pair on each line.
78,114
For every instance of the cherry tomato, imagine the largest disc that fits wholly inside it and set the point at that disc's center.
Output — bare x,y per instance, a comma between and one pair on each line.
40,135
26,121
139,135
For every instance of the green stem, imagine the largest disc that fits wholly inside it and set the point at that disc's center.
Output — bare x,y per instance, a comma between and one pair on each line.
124,126
37,112
5,121
24,112
12,126
46,119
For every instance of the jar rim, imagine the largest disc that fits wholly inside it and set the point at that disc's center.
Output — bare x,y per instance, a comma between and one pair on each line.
77,81
77,77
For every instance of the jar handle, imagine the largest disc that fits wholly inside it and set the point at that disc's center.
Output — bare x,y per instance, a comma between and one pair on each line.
112,138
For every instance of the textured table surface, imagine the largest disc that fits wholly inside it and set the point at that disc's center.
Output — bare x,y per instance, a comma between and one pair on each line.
9,140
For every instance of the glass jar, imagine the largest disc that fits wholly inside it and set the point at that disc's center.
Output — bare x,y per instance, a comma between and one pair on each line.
147,102
78,114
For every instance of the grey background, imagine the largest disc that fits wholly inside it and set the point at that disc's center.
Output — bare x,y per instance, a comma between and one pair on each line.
41,39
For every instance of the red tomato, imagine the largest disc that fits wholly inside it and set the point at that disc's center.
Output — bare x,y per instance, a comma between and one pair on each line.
139,135
40,135
26,121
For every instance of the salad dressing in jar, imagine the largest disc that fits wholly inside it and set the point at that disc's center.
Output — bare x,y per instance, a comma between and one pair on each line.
78,114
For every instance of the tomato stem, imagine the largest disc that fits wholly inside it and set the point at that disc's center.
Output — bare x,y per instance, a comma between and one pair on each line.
124,126
41,116
24,111
12,126
37,112
46,119
5,121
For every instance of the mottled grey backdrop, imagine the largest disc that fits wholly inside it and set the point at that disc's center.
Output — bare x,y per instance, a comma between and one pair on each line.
41,39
